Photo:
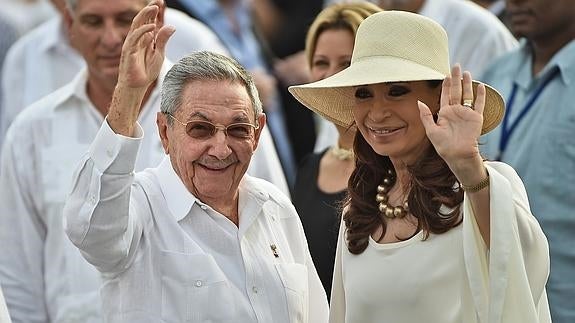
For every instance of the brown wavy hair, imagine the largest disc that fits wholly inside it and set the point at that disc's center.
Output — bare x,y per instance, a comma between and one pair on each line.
432,185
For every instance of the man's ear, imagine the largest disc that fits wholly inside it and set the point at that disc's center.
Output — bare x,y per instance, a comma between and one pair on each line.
261,120
67,17
68,20
162,123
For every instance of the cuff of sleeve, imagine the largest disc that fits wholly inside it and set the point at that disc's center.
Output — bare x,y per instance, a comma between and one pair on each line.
114,153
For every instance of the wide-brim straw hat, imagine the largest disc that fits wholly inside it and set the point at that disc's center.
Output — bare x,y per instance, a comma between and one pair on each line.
390,46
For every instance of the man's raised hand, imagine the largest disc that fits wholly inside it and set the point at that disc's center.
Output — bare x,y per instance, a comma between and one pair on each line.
144,48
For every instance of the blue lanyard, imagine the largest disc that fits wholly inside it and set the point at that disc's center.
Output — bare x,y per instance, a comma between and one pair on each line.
506,128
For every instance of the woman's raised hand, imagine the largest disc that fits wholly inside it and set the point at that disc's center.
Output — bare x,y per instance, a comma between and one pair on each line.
454,135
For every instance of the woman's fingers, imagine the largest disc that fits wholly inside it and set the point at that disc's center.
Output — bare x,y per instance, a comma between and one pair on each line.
426,117
467,93
480,99
455,91
445,92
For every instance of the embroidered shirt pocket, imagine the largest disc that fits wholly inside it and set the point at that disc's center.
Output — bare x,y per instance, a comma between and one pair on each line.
194,289
294,278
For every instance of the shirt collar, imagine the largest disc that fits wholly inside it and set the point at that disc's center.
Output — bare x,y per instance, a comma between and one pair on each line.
77,87
562,60
177,196
54,35
180,201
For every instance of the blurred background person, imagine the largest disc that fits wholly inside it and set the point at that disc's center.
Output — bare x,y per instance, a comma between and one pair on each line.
537,135
476,36
8,35
283,25
42,274
322,177
496,7
24,15
43,60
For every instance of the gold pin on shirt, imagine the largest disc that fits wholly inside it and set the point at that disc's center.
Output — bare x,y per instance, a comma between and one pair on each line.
274,250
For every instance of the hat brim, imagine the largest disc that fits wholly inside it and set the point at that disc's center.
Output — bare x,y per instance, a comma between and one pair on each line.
333,97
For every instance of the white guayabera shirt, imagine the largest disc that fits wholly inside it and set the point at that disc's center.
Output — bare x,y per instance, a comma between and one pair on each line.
166,256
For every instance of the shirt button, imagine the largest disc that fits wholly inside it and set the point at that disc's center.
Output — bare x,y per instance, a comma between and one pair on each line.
255,289
110,152
198,283
92,199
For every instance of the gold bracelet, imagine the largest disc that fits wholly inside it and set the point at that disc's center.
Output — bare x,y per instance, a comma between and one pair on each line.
477,187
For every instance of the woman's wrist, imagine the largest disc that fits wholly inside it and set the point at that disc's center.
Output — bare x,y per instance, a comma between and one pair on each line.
478,186
470,171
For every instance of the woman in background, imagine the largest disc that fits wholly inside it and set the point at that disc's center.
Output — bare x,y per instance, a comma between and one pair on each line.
321,180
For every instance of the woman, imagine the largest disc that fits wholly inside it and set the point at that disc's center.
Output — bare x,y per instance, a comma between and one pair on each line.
322,177
431,232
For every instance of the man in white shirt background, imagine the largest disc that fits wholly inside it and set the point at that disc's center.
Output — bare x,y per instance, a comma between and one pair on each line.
476,36
43,60
43,276
194,239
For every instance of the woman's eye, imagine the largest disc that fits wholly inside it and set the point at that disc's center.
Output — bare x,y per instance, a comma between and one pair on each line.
320,63
344,65
397,90
362,93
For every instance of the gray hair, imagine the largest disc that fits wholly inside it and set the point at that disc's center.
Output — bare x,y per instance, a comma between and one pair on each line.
205,66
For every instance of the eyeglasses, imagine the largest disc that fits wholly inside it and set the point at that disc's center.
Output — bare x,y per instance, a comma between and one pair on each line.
200,129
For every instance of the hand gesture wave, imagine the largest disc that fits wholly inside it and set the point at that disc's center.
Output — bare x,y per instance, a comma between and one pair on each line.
144,48
454,135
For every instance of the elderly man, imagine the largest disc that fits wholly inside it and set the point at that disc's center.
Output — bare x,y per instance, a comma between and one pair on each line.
193,240
43,276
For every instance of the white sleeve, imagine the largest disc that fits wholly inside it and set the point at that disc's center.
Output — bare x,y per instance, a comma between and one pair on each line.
508,280
99,217
337,302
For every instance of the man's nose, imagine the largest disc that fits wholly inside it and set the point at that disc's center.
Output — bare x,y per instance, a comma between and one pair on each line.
112,36
219,146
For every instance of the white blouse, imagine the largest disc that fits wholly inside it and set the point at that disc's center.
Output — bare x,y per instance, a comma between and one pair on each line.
452,277
403,281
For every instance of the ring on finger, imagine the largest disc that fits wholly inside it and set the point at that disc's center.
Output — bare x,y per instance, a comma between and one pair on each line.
468,103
